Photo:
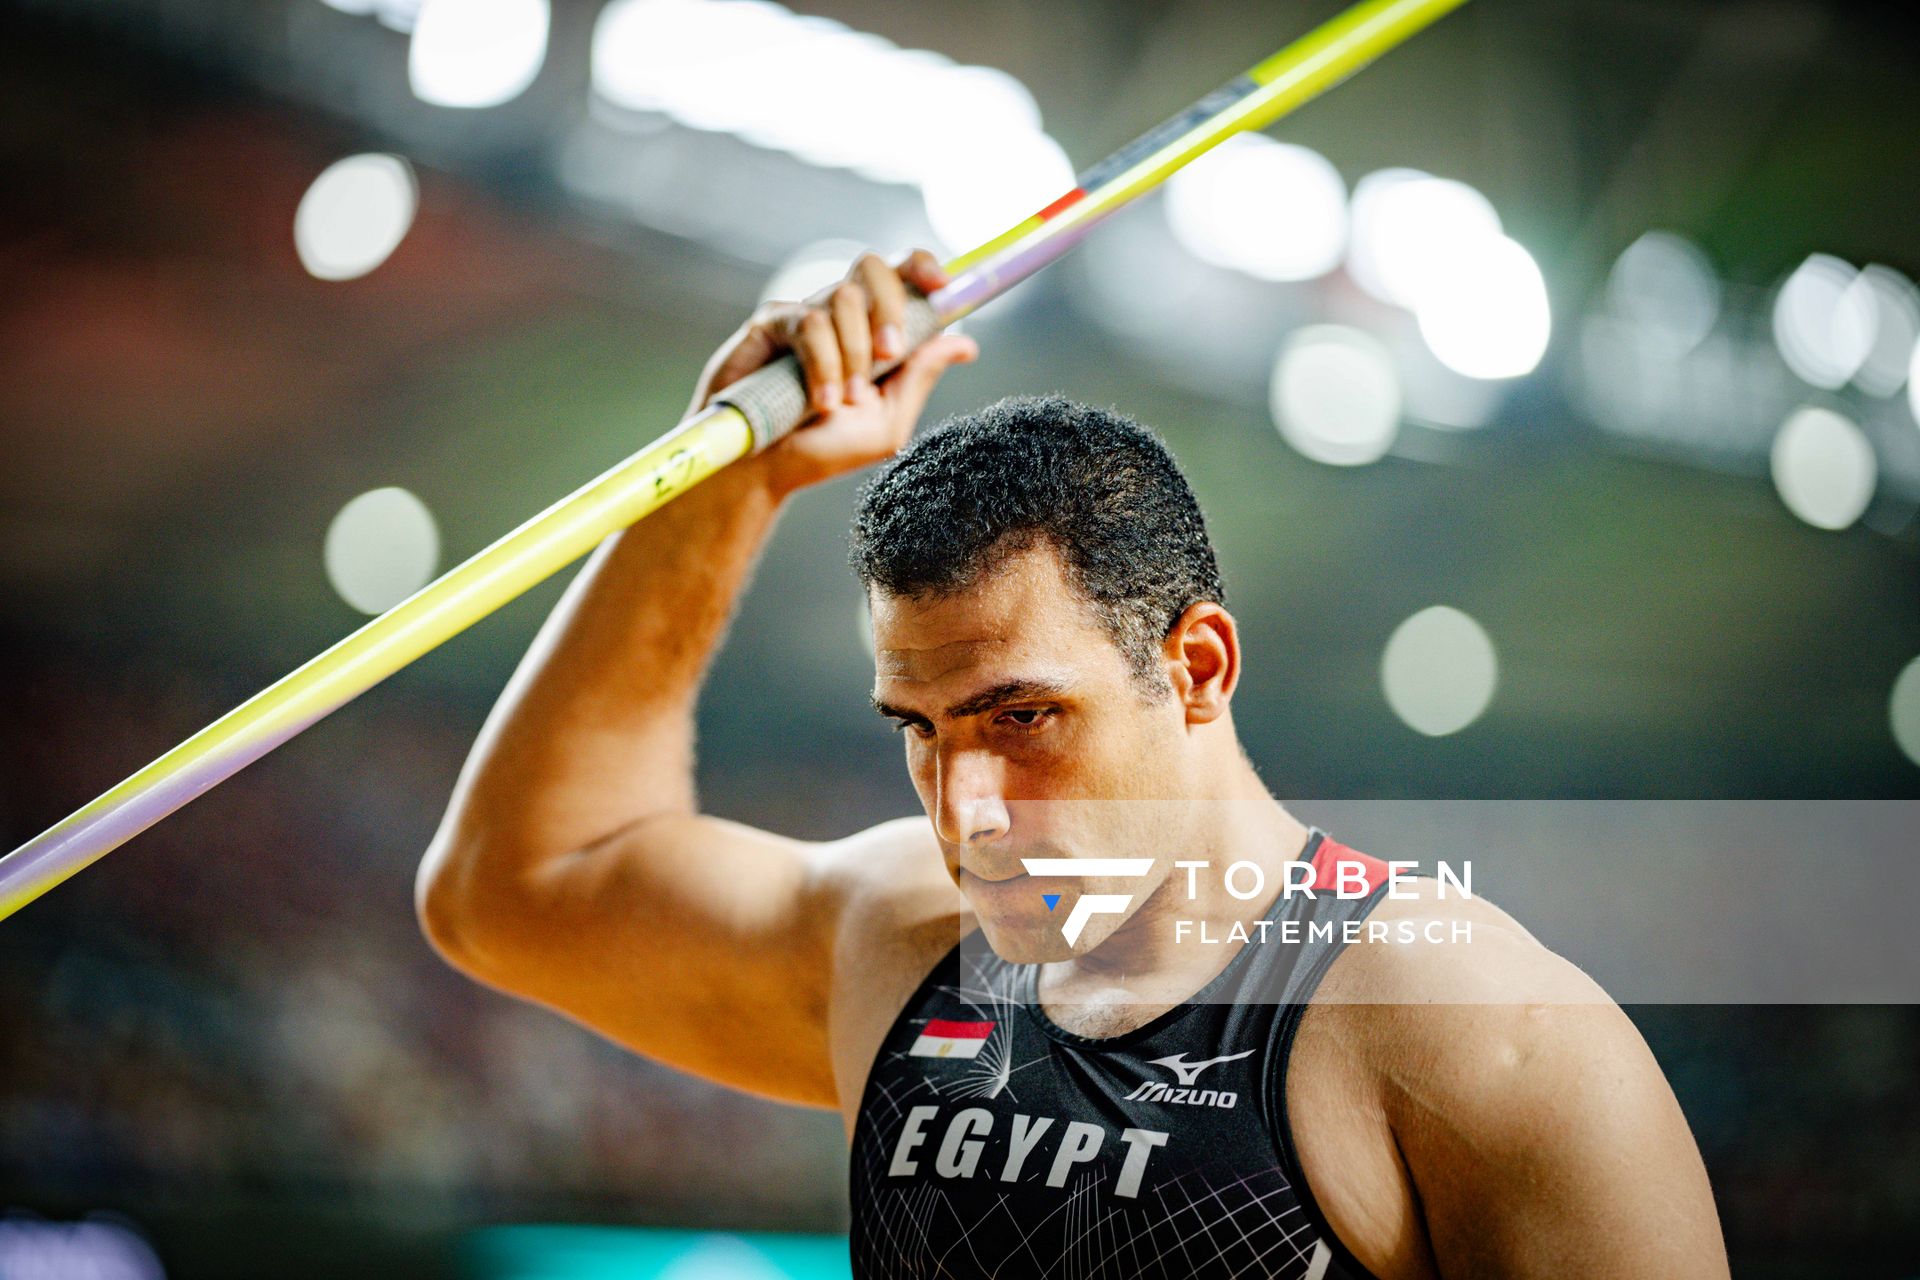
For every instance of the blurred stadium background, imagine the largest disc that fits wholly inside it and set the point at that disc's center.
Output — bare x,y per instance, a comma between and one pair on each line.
1548,387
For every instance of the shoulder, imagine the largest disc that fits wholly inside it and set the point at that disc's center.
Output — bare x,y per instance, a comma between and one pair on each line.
1475,1029
1443,958
892,899
886,880
897,913
1430,909
1509,1079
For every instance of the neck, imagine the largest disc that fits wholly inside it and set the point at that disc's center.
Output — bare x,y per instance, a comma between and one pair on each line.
1142,959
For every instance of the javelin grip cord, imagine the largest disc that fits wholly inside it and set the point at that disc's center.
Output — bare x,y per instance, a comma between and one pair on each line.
773,399
746,417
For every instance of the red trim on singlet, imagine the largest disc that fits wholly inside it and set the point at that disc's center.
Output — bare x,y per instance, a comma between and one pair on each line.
1326,871
1061,203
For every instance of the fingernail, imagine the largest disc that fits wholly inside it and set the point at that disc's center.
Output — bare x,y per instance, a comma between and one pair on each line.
892,339
857,387
829,395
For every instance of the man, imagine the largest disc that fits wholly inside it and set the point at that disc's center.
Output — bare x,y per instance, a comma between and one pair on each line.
1040,1069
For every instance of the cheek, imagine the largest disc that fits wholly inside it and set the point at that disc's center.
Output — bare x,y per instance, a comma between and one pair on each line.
1138,757
1114,743
919,765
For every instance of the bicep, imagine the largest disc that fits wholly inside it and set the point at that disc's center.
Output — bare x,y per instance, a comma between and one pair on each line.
697,941
1545,1141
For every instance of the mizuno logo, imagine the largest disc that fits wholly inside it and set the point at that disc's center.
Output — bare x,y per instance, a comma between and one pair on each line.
1189,1072
1089,905
1156,1091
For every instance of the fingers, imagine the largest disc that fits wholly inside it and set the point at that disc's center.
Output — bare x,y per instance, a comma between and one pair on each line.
840,335
759,340
889,314
816,345
850,308
923,271
906,392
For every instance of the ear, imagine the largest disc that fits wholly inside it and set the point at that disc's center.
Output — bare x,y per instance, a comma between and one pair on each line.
1203,661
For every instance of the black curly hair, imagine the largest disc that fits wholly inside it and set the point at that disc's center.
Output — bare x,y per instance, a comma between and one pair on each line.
960,500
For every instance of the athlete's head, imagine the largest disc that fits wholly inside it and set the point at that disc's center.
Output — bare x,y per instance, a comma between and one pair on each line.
1050,633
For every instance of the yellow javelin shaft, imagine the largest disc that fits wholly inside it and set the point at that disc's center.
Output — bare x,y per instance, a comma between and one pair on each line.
436,613
1267,91
675,462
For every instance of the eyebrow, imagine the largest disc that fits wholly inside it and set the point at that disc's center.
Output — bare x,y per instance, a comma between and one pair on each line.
987,699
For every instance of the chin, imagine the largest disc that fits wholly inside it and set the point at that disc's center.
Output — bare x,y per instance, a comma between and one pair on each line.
1025,941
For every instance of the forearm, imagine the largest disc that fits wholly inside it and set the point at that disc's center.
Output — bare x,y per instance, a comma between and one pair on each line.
595,730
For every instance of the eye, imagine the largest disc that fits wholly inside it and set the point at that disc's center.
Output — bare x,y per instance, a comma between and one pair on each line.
1027,719
918,728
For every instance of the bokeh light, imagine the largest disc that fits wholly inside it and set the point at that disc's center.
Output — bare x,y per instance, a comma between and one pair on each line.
1407,225
1485,312
958,106
1434,395
1439,671
1271,209
1824,468
477,53
976,195
1913,383
398,15
1824,321
381,548
648,55
1896,305
354,216
722,1257
969,137
99,1248
1663,283
1903,710
1335,395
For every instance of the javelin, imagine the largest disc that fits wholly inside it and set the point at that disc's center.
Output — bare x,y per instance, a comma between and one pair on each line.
746,417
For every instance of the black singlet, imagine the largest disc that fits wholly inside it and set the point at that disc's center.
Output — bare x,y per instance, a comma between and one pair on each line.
991,1142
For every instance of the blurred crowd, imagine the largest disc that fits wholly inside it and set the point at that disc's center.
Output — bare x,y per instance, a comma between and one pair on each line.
239,1002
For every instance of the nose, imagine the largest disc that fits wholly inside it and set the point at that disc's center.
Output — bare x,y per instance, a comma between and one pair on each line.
968,806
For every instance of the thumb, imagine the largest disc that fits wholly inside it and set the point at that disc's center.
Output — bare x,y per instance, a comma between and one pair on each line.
907,390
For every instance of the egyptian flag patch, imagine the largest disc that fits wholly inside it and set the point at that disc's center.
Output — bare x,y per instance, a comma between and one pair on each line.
944,1039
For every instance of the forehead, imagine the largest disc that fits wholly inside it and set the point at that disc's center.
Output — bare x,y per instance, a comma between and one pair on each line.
1026,616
